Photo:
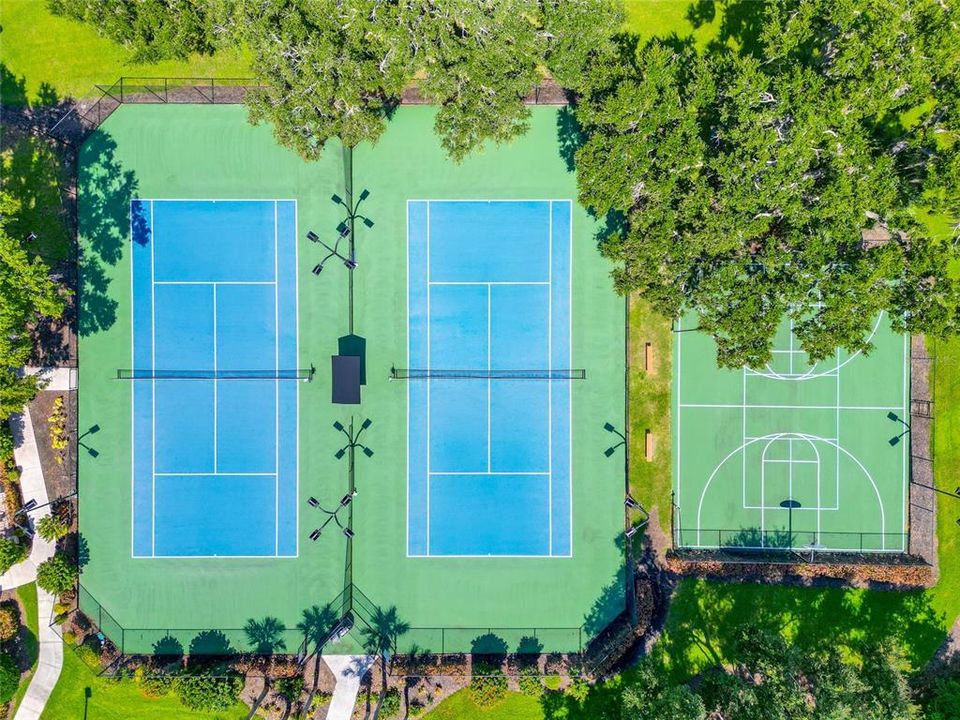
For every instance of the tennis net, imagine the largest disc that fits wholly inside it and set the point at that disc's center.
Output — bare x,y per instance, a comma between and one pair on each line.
486,374
303,374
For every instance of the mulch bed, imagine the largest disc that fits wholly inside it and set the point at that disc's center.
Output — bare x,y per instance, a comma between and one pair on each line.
59,477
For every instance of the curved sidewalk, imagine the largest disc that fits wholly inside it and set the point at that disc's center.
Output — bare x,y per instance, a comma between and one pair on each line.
50,659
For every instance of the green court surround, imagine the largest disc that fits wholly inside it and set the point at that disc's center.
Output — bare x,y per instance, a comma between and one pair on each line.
168,151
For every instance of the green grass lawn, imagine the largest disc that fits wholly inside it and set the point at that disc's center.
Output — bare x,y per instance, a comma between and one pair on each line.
515,706
45,57
33,175
28,598
662,18
81,694
649,409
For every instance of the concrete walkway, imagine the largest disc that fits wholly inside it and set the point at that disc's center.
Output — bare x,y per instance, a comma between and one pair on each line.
33,488
348,669
57,379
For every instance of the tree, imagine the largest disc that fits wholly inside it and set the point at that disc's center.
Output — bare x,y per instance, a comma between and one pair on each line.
316,625
738,187
579,39
480,58
9,678
325,68
26,294
52,527
265,637
152,29
57,575
651,695
380,634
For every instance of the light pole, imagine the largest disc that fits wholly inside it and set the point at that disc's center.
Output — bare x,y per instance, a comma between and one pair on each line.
896,418
348,226
93,430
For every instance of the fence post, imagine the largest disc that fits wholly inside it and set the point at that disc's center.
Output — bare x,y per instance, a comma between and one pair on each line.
121,89
213,92
166,96
443,641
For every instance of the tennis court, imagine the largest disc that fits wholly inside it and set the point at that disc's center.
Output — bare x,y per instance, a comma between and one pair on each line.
799,455
489,369
214,350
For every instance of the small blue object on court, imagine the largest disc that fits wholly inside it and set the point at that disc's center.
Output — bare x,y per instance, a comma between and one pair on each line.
214,299
489,458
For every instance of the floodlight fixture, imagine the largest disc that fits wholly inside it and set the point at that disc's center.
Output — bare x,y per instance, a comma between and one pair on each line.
364,194
340,453
337,199
609,428
367,451
312,236
609,451
366,423
338,426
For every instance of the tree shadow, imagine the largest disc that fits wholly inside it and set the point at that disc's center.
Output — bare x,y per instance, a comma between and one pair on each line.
705,615
168,649
106,220
13,89
741,23
316,624
570,136
210,644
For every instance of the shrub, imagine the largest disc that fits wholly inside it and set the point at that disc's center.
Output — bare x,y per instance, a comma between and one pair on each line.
530,683
58,429
390,707
578,690
9,622
57,575
205,692
154,684
69,638
552,682
11,553
944,702
488,690
88,655
51,528
290,687
6,443
416,708
9,678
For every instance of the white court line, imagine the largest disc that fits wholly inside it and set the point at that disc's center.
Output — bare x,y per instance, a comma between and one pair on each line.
789,407
216,200
481,472
215,474
215,282
793,461
276,386
488,283
550,385
407,258
296,352
904,463
133,395
489,380
429,364
153,382
570,264
214,378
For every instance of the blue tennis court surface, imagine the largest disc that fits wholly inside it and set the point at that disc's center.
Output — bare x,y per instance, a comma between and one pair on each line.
489,460
214,460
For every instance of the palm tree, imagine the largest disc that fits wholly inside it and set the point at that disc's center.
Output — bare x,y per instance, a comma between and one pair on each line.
265,637
379,637
316,626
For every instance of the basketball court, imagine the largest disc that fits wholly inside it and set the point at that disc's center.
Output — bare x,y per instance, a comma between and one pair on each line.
792,455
